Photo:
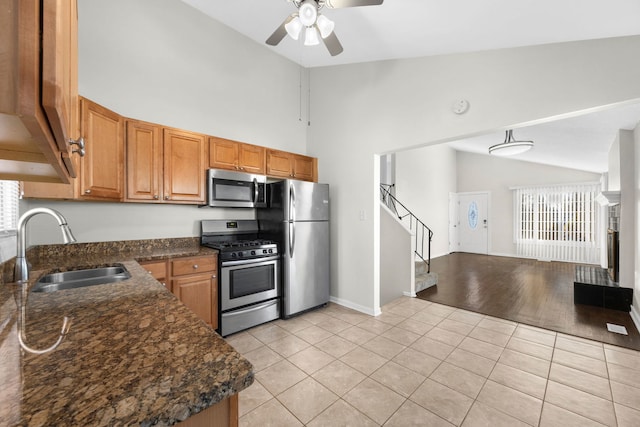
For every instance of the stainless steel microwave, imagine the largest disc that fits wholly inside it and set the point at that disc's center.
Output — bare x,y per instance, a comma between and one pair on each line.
236,189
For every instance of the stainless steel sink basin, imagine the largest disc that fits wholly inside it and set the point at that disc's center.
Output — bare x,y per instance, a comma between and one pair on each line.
81,278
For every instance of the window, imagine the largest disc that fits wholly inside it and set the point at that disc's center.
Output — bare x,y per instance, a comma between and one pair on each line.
9,195
558,223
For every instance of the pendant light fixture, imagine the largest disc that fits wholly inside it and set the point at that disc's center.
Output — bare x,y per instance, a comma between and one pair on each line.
510,146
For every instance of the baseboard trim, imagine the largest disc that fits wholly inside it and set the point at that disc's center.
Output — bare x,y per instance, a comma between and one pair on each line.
361,308
635,316
409,294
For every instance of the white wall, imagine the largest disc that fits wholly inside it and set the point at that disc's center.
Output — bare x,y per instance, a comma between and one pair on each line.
397,268
627,208
424,179
362,110
635,308
613,173
164,62
479,172
97,222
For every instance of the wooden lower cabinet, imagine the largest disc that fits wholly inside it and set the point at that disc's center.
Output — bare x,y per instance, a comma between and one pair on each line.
223,413
194,280
157,269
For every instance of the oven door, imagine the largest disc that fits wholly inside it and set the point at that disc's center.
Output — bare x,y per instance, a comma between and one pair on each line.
248,282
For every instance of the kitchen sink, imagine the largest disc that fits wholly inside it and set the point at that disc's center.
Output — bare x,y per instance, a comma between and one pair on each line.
81,278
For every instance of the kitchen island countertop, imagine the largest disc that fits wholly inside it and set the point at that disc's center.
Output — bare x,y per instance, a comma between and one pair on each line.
135,355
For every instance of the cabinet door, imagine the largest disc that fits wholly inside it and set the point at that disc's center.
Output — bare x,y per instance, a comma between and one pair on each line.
101,169
184,166
223,153
279,164
144,161
252,159
60,73
157,269
304,168
198,292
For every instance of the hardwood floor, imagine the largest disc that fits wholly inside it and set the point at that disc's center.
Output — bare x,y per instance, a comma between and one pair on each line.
526,291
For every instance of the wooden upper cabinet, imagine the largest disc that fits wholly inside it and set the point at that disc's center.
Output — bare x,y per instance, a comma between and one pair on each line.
281,164
184,166
60,74
38,89
252,159
144,161
102,168
233,155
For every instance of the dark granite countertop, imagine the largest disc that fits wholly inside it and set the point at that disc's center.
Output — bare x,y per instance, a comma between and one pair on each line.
135,355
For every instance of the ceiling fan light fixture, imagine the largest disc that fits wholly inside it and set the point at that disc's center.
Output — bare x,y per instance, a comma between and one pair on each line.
510,147
311,37
325,25
308,12
294,27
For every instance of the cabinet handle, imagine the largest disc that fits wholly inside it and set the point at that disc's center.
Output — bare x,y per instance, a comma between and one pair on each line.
80,144
195,266
155,197
87,191
149,271
166,197
214,276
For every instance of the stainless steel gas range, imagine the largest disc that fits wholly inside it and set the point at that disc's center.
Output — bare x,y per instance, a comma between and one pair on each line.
249,272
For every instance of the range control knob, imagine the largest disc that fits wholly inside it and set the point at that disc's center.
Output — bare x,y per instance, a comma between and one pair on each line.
270,251
233,255
264,251
253,252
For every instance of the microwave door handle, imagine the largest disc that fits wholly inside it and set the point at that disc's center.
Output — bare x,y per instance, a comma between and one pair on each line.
255,190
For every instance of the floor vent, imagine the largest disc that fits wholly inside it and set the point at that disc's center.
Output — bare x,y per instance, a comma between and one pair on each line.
618,329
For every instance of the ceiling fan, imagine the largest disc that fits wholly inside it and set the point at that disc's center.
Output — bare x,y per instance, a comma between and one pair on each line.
308,17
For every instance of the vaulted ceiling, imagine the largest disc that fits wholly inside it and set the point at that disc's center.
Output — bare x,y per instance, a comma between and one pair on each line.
413,28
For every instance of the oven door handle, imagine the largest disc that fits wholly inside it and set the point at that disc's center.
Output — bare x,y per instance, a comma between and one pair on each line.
250,309
254,262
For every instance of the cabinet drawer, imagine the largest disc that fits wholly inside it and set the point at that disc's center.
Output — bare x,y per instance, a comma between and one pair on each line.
158,269
180,267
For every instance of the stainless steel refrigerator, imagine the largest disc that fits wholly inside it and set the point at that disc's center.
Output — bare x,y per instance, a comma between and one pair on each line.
297,217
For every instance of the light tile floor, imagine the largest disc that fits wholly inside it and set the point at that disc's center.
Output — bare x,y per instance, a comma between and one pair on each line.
421,363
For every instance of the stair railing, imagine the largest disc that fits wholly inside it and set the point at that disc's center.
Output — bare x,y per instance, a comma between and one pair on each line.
415,225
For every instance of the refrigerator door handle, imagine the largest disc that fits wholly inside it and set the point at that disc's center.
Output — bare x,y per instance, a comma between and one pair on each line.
292,219
292,238
292,203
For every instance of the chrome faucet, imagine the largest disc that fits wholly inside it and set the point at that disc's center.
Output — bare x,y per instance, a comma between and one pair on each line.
21,272
22,275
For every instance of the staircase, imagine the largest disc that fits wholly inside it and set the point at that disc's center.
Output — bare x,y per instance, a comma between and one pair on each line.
424,278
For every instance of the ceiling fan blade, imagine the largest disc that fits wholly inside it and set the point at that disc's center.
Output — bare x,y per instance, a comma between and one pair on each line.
335,4
279,33
333,44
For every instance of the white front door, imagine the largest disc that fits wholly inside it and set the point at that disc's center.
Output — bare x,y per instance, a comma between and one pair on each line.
473,223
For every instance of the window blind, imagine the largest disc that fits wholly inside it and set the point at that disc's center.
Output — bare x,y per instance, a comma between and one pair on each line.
558,223
9,197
